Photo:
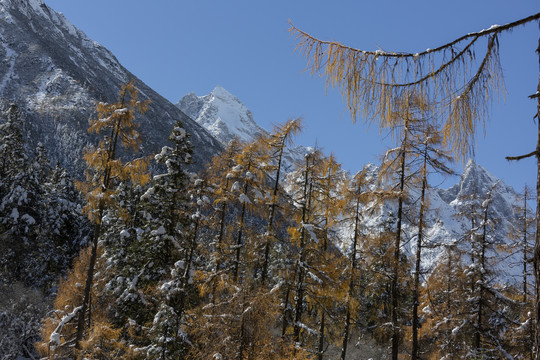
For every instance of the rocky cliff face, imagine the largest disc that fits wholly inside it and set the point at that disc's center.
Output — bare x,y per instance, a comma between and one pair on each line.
222,114
55,73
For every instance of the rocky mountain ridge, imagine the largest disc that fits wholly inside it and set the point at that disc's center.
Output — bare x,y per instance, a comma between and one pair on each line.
55,73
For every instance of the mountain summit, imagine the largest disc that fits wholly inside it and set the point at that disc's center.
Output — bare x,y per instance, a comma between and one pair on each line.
448,219
55,73
448,223
222,114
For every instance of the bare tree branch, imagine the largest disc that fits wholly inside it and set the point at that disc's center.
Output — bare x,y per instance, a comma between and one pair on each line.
491,30
516,158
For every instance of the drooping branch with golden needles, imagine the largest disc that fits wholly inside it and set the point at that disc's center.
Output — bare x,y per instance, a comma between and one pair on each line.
448,77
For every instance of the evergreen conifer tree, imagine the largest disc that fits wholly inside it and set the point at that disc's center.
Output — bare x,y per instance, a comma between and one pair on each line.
20,194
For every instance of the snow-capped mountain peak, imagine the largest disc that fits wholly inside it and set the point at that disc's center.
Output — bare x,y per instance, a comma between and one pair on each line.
447,220
446,204
475,178
222,114
220,93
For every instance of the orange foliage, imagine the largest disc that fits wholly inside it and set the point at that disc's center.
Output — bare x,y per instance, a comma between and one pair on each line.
117,122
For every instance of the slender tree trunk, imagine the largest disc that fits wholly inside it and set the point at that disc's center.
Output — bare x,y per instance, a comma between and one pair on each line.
320,349
285,314
240,229
480,307
111,152
298,311
525,246
270,230
192,246
243,342
536,256
324,249
239,244
448,292
397,255
351,283
473,214
88,284
346,330
416,290
222,223
219,244
525,261
187,271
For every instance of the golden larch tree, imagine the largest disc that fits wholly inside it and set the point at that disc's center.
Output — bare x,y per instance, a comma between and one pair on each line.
116,123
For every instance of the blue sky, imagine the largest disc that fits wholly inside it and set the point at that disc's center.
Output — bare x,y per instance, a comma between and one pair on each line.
243,45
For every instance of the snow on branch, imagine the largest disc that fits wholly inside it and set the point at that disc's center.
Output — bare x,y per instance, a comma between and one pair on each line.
310,229
54,339
307,328
491,30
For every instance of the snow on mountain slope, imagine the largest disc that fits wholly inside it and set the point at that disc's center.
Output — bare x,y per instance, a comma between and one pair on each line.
222,114
226,117
55,73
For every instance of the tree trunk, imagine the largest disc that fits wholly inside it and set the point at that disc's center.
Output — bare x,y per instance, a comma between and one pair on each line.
240,229
111,152
351,283
243,341
285,314
298,311
448,284
88,284
239,244
269,230
480,307
536,256
320,349
416,290
525,245
222,224
187,271
218,246
397,255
